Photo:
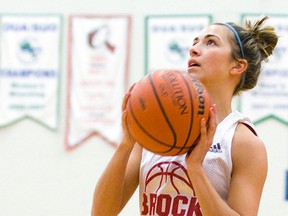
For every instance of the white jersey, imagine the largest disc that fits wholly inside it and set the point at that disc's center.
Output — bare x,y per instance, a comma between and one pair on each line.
165,188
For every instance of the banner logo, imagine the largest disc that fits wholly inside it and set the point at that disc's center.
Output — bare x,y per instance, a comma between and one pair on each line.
29,50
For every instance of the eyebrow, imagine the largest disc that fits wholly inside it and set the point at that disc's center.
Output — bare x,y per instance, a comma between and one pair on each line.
205,37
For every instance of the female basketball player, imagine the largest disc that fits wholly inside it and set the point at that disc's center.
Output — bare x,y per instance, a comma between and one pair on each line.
226,171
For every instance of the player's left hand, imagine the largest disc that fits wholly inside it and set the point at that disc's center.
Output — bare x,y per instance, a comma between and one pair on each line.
197,155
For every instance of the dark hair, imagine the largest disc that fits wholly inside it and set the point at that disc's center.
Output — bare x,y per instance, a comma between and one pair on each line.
258,43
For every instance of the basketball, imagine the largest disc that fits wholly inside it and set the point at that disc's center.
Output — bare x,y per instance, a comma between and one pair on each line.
164,111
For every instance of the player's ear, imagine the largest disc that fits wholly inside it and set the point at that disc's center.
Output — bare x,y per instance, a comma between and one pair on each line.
239,66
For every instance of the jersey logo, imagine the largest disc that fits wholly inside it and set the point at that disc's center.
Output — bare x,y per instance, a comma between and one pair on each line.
168,191
215,148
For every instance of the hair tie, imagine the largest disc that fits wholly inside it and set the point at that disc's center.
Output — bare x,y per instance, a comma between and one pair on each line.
237,37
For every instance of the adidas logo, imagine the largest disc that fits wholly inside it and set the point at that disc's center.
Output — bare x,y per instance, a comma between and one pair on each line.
216,148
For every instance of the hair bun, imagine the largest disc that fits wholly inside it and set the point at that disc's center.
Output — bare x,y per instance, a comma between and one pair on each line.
265,36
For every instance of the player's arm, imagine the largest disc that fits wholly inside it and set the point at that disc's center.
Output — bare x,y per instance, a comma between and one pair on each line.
249,172
118,182
121,176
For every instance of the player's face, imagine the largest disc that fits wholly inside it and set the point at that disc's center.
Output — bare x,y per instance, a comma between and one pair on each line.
210,55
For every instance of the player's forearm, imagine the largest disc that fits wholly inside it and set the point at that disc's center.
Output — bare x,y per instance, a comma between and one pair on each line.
210,202
109,189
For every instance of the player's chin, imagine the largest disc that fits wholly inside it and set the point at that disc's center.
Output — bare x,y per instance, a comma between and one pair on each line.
196,73
193,72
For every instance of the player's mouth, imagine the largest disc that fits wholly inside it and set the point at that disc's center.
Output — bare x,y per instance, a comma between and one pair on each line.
193,64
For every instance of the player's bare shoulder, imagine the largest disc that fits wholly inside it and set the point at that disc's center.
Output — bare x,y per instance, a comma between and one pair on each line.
247,145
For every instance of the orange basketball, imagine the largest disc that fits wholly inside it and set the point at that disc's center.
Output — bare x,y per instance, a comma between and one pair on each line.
164,111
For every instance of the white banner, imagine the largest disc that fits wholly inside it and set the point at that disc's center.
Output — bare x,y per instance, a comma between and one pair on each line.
269,99
29,68
97,77
169,38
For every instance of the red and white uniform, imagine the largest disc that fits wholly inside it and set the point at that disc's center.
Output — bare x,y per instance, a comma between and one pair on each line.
165,188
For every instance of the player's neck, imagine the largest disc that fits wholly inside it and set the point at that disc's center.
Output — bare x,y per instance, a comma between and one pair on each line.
223,105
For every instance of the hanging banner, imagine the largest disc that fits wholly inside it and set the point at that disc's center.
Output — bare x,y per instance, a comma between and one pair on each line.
29,68
269,99
97,74
169,38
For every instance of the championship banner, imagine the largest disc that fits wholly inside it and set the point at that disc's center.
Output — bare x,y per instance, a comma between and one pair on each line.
29,68
97,77
169,38
269,99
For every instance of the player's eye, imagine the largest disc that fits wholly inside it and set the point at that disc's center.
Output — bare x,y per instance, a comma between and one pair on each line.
194,43
210,42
